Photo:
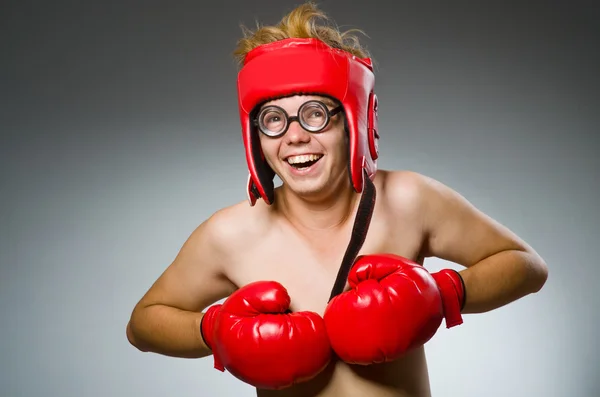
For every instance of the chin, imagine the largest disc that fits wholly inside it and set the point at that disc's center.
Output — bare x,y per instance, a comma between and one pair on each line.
306,188
317,188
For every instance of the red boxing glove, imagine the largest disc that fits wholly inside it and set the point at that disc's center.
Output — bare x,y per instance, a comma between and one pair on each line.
393,306
257,339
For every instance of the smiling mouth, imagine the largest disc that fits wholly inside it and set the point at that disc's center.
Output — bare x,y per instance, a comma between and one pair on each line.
304,161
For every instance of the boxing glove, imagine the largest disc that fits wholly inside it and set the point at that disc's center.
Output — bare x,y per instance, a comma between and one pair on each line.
393,306
256,337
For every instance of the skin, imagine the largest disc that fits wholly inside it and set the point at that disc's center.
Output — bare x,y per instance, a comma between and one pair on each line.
309,226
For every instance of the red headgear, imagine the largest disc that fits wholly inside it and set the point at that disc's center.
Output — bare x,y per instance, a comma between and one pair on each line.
308,67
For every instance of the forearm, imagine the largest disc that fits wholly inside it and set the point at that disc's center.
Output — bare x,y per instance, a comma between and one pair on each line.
501,279
168,331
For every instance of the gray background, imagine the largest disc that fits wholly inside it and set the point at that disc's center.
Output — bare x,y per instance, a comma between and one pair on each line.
120,134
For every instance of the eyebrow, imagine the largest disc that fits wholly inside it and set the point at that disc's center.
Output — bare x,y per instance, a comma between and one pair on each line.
329,102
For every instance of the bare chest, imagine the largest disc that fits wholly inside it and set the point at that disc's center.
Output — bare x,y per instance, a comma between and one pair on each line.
307,265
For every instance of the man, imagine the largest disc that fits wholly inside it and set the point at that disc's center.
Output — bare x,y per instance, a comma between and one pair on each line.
295,322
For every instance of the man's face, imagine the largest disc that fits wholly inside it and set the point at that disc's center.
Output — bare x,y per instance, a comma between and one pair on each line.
310,163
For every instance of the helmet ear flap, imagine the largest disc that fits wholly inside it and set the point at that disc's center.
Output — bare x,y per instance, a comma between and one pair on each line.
260,181
263,170
373,126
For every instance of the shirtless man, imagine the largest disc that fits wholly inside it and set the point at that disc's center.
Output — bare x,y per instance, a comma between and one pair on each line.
308,114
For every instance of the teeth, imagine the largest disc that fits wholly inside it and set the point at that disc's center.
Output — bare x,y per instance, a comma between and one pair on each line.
303,158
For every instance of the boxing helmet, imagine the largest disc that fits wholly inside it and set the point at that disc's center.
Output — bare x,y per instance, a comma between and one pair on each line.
308,66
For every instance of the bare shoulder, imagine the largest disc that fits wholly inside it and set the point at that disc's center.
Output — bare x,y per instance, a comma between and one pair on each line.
234,226
410,190
400,181
404,191
425,201
454,229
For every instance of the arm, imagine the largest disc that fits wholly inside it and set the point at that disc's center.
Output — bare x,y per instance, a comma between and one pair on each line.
499,266
167,318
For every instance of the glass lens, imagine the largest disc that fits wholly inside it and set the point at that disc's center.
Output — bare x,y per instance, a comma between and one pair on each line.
272,120
313,115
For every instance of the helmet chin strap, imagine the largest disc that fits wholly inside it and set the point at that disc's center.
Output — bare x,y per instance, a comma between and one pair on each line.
359,234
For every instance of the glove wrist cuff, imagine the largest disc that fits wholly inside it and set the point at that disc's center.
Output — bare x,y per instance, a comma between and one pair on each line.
207,330
452,289
207,325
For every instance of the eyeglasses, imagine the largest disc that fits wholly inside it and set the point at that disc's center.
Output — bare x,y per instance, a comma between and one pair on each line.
313,116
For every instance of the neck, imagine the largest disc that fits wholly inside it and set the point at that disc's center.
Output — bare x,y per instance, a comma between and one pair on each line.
318,213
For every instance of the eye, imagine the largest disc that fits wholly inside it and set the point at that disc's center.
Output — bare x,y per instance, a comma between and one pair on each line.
272,118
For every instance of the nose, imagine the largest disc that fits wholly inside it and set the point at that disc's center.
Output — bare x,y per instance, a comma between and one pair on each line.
296,134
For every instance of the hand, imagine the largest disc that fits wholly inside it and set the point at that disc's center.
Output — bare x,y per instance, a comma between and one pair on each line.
393,306
255,336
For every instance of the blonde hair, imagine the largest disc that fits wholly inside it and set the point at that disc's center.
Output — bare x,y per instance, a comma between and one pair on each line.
301,22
